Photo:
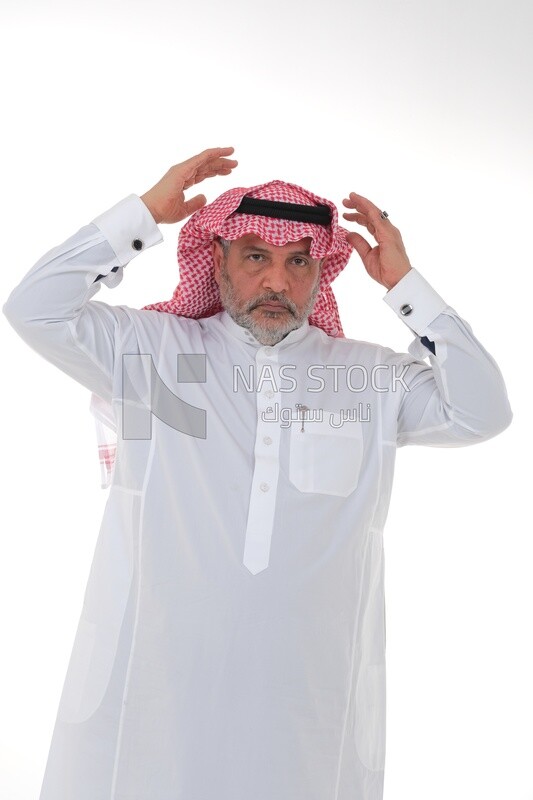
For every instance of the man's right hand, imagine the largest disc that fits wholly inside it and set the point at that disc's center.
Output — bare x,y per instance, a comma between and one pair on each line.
166,201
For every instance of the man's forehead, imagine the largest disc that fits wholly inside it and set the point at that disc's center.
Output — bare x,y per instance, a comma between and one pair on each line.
251,240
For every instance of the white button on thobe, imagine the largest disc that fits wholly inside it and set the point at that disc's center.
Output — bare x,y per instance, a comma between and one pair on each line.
231,644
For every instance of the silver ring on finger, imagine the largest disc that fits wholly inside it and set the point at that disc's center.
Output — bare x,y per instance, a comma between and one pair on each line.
384,215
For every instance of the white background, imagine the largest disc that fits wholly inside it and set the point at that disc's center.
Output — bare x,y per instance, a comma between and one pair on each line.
425,107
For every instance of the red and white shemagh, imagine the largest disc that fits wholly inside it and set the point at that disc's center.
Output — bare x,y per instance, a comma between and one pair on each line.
197,294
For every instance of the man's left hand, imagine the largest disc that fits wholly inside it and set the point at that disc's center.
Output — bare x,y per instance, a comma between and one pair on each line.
387,263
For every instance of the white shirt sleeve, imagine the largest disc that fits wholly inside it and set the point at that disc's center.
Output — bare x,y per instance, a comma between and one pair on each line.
50,308
458,399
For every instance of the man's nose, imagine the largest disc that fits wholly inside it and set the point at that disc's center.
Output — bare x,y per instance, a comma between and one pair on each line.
275,277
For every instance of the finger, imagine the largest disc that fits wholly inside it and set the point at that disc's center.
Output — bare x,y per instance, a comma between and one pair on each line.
219,171
223,151
362,219
348,203
201,160
221,163
354,200
214,167
380,227
362,202
364,205
211,154
195,204
201,176
360,244
198,176
222,167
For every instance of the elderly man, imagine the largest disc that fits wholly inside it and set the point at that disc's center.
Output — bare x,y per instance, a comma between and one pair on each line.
232,640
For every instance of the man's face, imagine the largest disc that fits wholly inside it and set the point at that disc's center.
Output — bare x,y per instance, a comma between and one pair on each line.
269,290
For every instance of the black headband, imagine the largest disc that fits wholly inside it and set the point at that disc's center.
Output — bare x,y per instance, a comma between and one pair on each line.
319,215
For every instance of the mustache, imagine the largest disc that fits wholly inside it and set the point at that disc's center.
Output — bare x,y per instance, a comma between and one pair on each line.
272,298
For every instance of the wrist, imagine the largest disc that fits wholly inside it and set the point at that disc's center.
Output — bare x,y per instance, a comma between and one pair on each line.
397,278
150,206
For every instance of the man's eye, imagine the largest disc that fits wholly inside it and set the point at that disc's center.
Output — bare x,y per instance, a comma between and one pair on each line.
302,261
255,256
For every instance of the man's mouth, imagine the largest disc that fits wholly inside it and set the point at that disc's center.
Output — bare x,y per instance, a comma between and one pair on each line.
274,306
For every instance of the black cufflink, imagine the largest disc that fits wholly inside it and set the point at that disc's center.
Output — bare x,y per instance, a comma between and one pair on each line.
406,310
137,244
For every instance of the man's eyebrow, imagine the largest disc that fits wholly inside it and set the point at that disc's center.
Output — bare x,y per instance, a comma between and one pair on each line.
257,249
264,250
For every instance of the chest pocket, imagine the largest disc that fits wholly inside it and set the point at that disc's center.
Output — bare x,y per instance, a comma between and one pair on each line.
326,459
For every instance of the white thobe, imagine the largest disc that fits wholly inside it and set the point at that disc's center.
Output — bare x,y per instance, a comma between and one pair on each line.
231,644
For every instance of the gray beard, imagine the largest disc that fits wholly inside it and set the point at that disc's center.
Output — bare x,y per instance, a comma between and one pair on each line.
242,316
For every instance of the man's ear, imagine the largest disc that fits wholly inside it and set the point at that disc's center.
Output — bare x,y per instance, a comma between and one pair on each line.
218,257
